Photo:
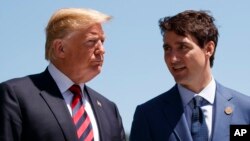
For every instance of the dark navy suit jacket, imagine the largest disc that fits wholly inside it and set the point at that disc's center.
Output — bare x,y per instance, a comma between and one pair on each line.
33,109
163,118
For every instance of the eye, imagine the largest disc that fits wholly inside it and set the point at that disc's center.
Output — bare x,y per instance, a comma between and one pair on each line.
183,47
92,40
102,41
166,48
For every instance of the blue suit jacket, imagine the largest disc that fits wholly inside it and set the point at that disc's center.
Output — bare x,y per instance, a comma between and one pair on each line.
33,109
163,118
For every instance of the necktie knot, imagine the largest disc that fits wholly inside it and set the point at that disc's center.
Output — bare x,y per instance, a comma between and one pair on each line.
75,89
197,102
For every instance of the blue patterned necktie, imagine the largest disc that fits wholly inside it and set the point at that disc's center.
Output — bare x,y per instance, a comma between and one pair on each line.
199,129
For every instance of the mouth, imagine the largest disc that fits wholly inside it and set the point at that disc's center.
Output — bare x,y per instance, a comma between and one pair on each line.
98,62
177,69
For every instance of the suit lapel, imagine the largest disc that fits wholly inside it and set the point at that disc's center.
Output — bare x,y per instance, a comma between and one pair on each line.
175,115
182,131
52,96
97,109
221,117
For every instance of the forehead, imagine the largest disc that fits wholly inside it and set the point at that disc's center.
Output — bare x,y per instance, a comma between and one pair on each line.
78,34
95,29
82,32
172,38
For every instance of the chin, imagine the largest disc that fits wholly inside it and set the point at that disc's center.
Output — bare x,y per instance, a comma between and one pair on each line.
179,80
97,70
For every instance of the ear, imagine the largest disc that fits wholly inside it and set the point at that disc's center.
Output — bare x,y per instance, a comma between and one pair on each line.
209,48
58,48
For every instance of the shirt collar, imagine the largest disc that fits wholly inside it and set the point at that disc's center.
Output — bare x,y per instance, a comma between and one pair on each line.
207,93
63,82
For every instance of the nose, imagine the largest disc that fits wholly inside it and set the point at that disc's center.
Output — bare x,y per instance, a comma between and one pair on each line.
172,56
100,49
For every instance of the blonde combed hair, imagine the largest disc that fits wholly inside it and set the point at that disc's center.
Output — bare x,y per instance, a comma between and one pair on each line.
66,20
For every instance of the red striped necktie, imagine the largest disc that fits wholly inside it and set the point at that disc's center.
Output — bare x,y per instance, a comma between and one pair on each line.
80,116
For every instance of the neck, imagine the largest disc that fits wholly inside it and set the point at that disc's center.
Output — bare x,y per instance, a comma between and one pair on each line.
202,81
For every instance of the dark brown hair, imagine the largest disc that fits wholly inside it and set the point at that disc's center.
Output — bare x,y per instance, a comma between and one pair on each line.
199,24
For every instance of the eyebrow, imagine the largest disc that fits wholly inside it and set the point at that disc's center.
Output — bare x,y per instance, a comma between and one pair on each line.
95,36
165,45
176,43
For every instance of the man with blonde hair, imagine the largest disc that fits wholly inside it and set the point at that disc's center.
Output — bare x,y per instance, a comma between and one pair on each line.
56,105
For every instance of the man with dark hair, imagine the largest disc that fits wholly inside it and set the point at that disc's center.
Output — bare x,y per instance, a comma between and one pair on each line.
197,108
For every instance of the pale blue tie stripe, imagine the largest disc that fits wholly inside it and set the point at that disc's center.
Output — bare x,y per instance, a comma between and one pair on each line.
199,129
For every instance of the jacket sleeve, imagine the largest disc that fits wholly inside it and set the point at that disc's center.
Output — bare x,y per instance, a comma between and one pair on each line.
140,128
122,132
10,114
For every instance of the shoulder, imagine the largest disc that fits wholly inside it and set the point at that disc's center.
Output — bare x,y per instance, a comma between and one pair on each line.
21,82
26,86
15,83
96,94
98,98
160,100
233,95
16,90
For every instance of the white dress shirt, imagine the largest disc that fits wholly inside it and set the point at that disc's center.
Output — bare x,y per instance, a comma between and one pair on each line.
64,83
207,93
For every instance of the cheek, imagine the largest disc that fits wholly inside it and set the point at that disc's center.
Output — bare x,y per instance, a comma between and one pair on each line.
196,62
85,53
90,52
166,59
201,58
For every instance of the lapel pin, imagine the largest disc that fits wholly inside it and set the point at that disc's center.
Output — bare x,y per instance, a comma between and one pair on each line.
99,103
228,110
